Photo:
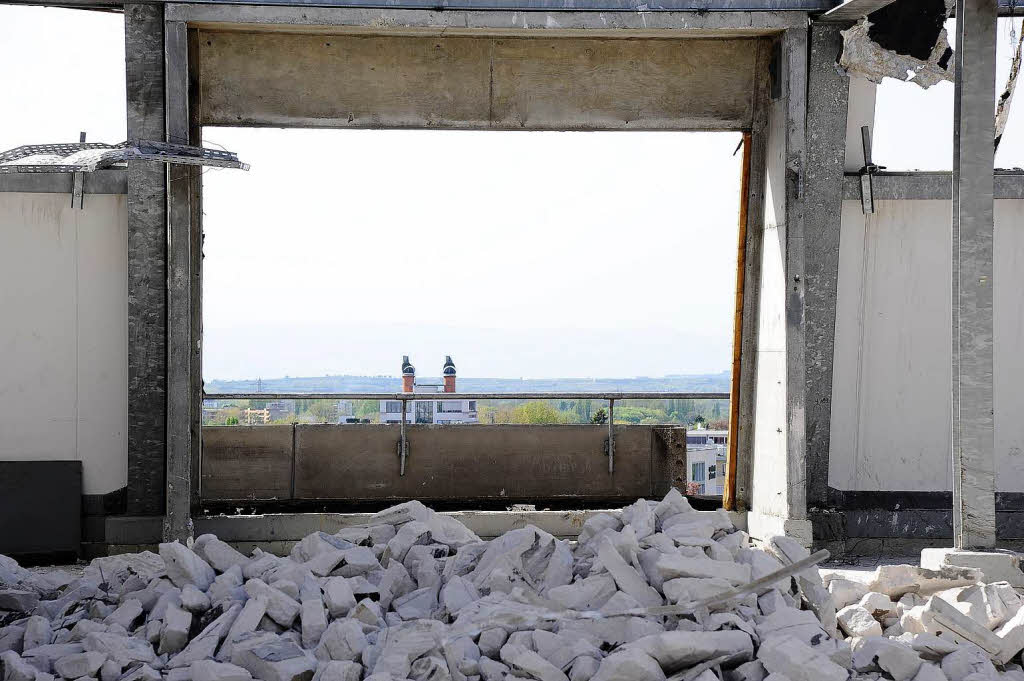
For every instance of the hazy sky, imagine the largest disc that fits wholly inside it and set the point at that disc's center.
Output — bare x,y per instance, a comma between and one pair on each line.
520,254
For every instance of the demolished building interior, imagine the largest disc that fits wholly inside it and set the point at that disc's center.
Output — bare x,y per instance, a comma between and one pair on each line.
874,406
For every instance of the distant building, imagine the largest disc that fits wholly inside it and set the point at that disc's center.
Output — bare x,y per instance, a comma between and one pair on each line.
257,416
279,411
441,412
705,459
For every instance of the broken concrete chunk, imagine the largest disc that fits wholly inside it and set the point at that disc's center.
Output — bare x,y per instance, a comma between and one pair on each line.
174,633
219,554
205,644
339,671
857,621
37,632
281,607
210,670
15,668
121,649
677,650
314,615
185,567
846,592
80,664
626,577
194,600
797,661
521,659
18,600
879,653
457,593
671,566
279,660
1011,637
629,665
342,640
584,669
587,594
896,580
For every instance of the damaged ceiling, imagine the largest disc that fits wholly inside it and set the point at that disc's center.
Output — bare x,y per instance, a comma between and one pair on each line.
904,40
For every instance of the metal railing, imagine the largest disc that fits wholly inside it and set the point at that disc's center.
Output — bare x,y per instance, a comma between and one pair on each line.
405,398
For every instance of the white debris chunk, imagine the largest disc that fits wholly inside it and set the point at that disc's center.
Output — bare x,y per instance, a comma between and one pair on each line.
629,665
194,600
671,566
1011,637
857,621
880,653
314,614
626,577
15,668
846,592
209,670
279,660
80,664
797,661
219,554
174,633
677,650
185,567
338,671
343,640
522,659
338,596
37,632
281,607
205,644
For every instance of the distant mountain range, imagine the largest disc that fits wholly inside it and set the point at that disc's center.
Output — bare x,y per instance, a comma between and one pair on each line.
377,384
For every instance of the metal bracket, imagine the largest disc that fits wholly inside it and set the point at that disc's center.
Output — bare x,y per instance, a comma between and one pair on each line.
403,443
78,182
867,185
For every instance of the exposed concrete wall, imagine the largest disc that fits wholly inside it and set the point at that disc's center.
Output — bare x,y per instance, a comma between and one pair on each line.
63,340
891,402
502,462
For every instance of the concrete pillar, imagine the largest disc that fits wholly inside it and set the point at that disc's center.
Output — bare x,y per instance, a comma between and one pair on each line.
974,523
827,103
180,416
147,263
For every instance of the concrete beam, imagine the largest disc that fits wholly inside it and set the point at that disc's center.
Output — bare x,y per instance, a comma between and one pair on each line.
928,185
147,262
974,523
827,100
541,83
501,22
106,181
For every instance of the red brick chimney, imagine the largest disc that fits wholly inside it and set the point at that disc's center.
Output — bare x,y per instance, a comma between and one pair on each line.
448,370
408,375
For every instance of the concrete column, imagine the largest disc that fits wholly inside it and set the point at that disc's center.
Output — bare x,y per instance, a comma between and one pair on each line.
827,103
147,263
178,516
974,523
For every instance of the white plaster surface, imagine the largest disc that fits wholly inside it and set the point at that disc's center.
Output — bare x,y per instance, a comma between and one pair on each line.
769,495
63,340
891,380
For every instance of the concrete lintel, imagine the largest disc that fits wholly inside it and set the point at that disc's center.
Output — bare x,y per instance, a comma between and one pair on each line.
106,181
552,23
1009,184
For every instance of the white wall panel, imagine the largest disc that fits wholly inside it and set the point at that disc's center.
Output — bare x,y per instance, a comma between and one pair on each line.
63,340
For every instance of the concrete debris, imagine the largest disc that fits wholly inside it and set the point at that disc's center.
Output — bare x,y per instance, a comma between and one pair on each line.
414,595
906,41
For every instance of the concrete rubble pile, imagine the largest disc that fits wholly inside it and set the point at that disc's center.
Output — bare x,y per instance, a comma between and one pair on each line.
413,594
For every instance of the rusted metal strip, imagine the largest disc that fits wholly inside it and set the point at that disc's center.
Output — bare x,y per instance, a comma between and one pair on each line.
729,490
